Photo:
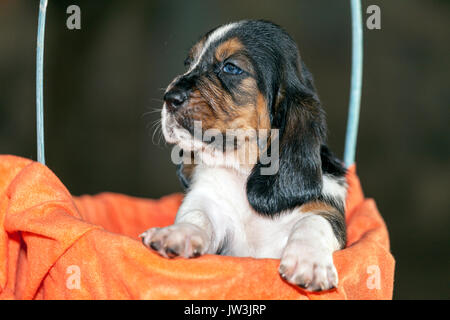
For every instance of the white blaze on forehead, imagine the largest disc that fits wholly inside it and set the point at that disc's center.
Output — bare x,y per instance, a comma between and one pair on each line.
213,37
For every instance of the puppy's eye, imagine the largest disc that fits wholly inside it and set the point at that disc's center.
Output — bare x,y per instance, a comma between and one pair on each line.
187,62
232,69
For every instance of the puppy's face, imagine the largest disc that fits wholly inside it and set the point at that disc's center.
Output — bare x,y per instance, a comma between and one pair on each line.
248,76
222,88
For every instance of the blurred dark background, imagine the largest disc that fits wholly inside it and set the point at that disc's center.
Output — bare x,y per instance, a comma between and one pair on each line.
104,82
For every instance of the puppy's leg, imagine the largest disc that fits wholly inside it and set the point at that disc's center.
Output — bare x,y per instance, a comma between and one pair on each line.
189,237
307,260
199,228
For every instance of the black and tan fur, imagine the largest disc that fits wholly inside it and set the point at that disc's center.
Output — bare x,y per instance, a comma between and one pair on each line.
275,90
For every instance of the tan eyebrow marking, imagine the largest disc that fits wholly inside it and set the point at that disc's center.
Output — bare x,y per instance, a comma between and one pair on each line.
228,48
211,38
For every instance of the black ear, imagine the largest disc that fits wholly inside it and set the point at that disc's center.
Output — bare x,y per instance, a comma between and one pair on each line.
301,121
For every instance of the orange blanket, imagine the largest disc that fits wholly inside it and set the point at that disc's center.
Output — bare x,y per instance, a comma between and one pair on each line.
54,246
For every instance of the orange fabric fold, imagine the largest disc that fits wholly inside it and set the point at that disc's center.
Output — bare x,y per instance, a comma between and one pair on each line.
55,246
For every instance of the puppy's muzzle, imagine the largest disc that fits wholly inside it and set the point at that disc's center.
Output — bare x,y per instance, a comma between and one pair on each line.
175,98
178,96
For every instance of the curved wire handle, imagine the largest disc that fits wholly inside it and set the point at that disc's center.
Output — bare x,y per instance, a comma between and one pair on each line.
355,88
40,82
356,83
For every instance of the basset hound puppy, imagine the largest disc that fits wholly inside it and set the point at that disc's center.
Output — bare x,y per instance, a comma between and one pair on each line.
260,179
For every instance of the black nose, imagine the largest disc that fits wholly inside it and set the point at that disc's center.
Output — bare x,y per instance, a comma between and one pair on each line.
175,98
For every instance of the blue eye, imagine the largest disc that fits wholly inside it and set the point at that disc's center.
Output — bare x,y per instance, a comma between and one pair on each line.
232,69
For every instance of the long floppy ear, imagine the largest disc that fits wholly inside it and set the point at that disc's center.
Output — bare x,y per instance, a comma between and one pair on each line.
301,121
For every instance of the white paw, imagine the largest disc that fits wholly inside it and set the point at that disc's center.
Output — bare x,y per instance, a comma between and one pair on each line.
178,240
308,267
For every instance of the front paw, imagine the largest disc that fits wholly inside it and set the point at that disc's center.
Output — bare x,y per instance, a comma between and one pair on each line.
308,267
178,240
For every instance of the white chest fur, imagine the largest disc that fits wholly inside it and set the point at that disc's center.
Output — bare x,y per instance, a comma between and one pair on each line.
215,217
220,193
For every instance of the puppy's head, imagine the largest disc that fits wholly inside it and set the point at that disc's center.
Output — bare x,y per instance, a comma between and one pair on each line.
248,75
